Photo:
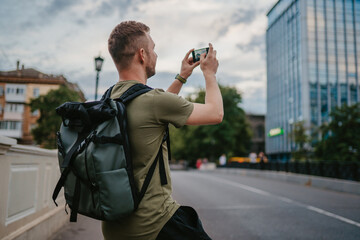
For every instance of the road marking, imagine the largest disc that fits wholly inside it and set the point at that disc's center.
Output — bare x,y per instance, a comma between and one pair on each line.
284,199
236,207
288,200
329,214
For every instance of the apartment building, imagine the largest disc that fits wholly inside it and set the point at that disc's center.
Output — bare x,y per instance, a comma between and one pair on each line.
17,88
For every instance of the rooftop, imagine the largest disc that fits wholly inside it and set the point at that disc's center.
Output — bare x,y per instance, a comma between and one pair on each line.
31,75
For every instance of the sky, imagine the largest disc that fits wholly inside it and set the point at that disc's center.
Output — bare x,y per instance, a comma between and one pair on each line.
62,37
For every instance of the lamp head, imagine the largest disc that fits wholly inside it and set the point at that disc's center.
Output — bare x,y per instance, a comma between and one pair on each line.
98,63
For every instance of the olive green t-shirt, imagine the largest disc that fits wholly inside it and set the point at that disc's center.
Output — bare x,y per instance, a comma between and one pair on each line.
148,115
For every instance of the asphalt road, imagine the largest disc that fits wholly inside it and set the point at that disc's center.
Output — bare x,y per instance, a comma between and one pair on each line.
240,207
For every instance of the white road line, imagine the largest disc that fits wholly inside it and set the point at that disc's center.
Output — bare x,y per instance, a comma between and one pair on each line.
284,199
288,200
329,214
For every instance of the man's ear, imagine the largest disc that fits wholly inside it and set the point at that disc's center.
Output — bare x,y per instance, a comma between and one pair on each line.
142,55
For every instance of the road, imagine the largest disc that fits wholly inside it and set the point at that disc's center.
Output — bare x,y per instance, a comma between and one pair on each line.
241,207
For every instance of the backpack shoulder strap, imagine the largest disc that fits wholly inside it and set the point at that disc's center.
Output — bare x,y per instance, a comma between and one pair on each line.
159,158
133,92
107,94
128,95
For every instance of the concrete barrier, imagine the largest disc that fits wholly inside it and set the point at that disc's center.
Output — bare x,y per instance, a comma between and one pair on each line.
28,176
207,166
308,180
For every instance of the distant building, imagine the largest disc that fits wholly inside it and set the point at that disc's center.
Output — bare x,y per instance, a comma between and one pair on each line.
17,88
257,124
313,52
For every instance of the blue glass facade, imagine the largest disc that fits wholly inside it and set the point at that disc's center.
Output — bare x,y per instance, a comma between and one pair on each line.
313,49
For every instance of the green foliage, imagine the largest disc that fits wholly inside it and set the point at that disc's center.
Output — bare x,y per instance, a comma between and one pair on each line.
301,140
341,137
232,136
49,122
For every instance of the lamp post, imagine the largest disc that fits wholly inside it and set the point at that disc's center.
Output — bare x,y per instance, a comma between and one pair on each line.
98,64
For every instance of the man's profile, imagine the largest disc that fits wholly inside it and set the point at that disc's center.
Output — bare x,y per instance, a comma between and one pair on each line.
158,216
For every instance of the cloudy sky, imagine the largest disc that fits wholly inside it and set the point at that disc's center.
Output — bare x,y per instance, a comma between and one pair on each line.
64,36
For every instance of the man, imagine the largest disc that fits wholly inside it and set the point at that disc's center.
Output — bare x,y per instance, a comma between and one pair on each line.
158,215
222,160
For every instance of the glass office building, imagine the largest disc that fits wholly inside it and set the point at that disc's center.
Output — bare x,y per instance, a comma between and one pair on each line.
313,54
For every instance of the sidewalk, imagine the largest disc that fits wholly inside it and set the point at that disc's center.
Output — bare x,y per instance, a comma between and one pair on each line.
85,228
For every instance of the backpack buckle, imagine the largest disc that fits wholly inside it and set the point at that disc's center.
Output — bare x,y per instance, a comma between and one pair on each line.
86,141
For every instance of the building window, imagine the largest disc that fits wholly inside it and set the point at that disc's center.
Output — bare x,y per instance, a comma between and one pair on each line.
333,93
313,104
1,91
10,125
12,107
33,126
35,113
353,94
15,90
19,91
324,105
36,92
260,131
343,92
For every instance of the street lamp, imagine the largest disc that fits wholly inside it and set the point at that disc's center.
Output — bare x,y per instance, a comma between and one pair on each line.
98,64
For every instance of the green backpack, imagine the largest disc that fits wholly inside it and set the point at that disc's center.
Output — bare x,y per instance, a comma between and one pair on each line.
95,158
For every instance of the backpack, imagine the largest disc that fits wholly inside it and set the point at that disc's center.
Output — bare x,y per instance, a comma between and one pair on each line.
95,158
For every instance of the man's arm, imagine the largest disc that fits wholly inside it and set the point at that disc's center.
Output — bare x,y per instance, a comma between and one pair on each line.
187,67
212,111
175,87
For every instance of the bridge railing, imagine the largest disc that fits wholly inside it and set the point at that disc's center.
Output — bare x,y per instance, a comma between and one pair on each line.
27,178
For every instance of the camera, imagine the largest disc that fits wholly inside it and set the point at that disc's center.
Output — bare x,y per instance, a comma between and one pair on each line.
197,53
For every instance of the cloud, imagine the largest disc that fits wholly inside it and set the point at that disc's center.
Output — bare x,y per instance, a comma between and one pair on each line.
245,16
257,41
238,16
87,82
43,13
105,9
254,103
57,6
63,37
122,7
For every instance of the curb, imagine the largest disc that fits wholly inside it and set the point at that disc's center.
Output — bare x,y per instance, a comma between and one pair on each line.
308,180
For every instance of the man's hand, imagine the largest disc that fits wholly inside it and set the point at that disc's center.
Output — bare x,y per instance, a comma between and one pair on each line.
209,64
188,65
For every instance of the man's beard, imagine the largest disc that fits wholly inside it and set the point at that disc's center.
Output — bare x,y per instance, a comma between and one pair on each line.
150,71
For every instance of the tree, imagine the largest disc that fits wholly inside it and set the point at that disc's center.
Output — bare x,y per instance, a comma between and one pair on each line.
232,136
341,136
301,140
49,122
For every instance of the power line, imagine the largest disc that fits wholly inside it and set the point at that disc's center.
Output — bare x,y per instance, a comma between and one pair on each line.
6,58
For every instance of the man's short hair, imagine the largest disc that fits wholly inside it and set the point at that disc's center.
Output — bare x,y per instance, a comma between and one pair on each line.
126,38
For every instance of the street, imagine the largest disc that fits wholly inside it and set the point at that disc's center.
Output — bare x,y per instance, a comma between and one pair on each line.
240,207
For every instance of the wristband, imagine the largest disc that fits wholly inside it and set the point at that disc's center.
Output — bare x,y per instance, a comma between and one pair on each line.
180,78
